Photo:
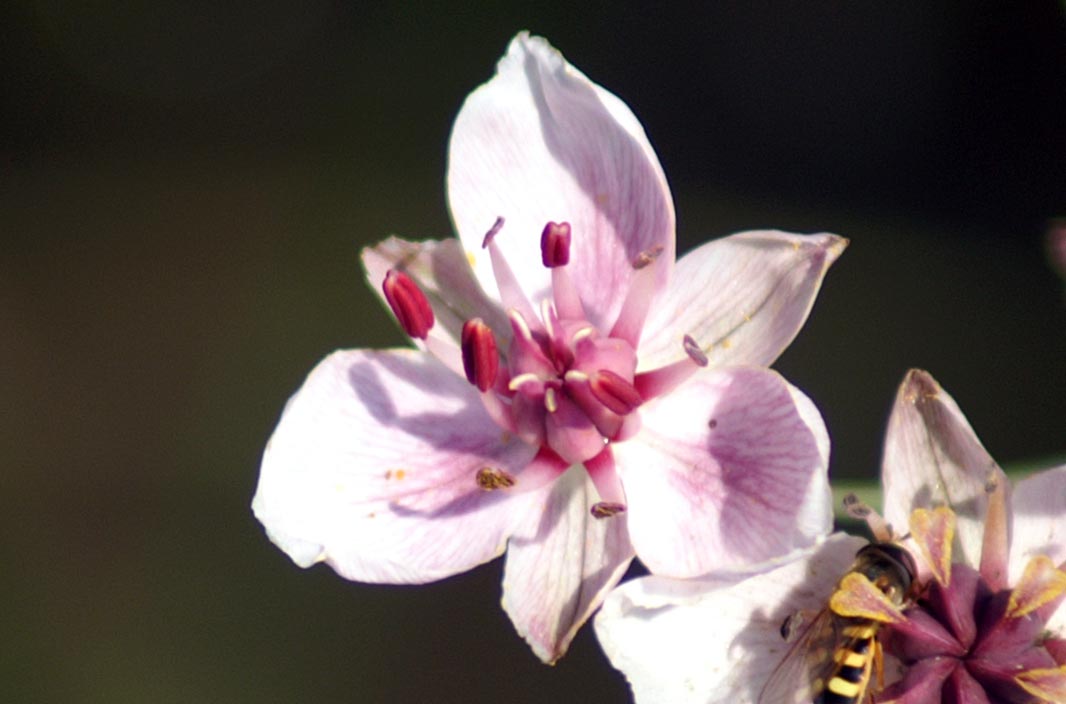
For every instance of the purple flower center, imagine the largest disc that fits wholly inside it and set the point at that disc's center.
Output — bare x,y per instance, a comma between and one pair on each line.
564,386
969,643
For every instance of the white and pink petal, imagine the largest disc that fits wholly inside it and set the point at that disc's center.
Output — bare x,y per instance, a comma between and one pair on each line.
540,142
373,468
1039,526
714,642
729,470
743,298
561,563
933,457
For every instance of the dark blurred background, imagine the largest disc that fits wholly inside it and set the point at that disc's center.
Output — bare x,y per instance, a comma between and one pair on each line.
183,196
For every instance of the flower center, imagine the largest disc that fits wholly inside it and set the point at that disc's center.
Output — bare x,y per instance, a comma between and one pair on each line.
968,640
564,385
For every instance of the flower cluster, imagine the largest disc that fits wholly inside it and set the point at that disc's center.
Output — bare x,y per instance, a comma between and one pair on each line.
575,398
985,625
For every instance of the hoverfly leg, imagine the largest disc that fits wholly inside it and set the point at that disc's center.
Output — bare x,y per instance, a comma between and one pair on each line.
879,664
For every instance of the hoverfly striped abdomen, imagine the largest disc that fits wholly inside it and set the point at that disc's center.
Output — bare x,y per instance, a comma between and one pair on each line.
833,660
852,664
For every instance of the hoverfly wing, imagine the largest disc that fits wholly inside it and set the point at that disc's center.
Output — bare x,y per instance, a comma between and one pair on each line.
802,672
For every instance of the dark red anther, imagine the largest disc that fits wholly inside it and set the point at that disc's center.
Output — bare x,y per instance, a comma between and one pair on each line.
408,304
614,392
481,362
555,244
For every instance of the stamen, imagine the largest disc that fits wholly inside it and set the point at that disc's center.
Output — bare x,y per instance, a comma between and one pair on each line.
1040,583
661,381
496,227
529,384
614,392
491,479
551,403
606,509
543,469
994,547
584,336
511,294
604,475
555,244
1047,684
481,360
555,254
635,308
692,349
647,257
934,531
408,303
481,364
860,511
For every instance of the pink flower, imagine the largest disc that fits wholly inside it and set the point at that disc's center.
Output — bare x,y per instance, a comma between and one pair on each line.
574,399
987,627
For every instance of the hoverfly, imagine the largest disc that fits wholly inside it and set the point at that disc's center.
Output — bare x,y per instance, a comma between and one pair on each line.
834,656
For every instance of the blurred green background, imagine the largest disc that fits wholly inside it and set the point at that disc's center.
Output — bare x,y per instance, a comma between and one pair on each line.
183,196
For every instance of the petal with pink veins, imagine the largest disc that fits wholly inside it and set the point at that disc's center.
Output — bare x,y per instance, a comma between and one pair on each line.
373,467
1040,527
1039,509
561,563
743,298
933,457
728,470
708,642
541,143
